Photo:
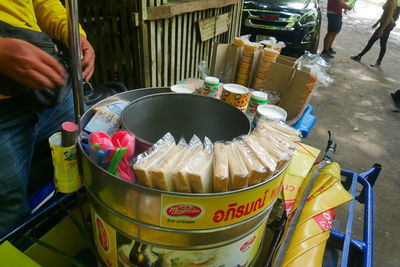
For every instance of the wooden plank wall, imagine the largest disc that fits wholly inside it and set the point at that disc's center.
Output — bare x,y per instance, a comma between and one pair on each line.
181,47
153,53
110,29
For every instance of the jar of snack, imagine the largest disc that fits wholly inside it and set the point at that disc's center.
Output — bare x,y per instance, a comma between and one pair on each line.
269,112
211,87
257,98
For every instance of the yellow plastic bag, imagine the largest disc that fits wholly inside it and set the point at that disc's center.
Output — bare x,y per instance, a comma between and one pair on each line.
297,253
312,257
303,159
309,239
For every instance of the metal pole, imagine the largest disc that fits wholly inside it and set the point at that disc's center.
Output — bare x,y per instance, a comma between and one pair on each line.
287,237
75,58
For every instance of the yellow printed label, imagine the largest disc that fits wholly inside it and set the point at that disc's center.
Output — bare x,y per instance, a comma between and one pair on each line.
105,240
303,160
215,211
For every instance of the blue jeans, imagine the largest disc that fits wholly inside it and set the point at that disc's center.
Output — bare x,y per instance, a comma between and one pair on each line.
21,127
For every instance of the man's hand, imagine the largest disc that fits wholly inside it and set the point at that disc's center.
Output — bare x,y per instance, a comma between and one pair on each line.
87,54
342,4
29,65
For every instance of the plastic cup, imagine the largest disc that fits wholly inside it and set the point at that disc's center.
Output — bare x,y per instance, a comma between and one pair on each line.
236,95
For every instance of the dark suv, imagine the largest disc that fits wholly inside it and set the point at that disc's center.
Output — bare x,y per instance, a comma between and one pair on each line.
295,22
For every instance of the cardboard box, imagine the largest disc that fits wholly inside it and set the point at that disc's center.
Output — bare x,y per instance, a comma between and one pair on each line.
283,76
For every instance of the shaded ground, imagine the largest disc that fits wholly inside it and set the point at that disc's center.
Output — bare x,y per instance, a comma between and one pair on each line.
357,109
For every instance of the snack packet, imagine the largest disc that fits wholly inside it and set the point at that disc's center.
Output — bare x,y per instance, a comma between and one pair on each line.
160,172
262,154
179,175
279,155
144,161
238,173
221,168
257,172
268,127
199,171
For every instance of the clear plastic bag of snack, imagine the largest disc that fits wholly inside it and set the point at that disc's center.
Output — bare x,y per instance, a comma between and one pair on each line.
279,141
199,170
221,168
262,154
179,174
242,40
269,43
193,82
282,129
160,171
257,171
269,54
274,97
246,63
144,161
281,156
202,67
238,173
279,46
283,152
317,66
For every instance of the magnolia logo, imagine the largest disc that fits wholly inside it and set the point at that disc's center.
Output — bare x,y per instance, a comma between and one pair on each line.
102,235
247,244
186,210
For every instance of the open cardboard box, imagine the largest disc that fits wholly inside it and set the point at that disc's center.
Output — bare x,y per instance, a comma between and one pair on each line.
283,77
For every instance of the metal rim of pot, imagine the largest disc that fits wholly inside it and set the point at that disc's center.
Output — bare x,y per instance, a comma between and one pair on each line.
171,93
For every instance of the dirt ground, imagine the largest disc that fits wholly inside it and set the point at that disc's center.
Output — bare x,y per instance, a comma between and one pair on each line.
356,107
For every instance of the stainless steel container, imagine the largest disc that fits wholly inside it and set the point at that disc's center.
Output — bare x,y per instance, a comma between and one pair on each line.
176,221
183,115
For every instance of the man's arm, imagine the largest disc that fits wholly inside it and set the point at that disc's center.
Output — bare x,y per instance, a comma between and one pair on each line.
342,4
52,19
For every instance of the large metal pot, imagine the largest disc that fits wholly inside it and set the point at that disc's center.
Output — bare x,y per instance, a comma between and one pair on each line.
220,222
150,117
129,96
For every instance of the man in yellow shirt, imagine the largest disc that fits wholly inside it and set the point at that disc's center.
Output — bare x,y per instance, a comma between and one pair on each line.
35,96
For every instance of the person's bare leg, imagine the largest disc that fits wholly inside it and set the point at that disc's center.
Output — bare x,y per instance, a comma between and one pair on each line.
331,40
327,40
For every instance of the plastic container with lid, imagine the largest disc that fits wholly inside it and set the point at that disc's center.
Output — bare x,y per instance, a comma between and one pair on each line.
269,112
257,98
211,87
183,88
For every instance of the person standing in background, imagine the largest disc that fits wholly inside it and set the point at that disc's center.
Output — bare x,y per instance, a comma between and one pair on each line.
35,92
387,22
335,12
